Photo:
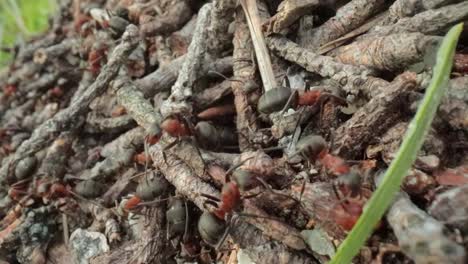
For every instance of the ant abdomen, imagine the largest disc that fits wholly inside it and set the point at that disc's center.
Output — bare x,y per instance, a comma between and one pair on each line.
150,187
25,167
311,146
176,216
89,189
210,136
274,100
211,228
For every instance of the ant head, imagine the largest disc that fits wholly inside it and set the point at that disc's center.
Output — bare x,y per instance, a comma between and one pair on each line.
351,181
122,12
211,228
311,146
43,187
153,134
250,86
244,179
176,215
118,25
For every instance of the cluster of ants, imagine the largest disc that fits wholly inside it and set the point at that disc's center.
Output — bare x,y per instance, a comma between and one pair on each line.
213,224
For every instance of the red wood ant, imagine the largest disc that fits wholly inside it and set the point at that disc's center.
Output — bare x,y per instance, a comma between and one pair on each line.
39,189
315,148
211,228
177,217
347,212
141,158
9,90
149,188
211,225
348,182
95,56
282,97
173,126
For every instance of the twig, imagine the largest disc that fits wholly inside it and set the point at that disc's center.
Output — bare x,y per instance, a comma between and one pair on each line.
288,12
261,52
347,18
222,14
405,8
134,102
117,153
175,16
353,79
380,113
420,236
191,68
162,79
433,21
244,71
98,124
392,52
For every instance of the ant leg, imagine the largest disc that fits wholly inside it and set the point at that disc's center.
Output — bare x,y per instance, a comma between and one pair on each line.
230,170
340,100
185,236
303,188
268,188
258,216
223,237
210,197
167,232
214,204
341,200
172,144
153,202
168,146
266,150
293,95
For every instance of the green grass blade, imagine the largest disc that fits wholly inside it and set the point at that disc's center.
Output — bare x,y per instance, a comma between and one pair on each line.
390,185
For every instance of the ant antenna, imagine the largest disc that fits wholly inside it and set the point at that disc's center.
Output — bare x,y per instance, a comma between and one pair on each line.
86,200
224,76
238,165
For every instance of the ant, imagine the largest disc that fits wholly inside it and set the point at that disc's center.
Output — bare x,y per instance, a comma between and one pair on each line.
314,147
348,182
212,225
173,126
96,55
280,98
38,189
149,188
9,90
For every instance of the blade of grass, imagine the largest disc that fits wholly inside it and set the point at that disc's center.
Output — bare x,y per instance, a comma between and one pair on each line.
390,185
16,12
